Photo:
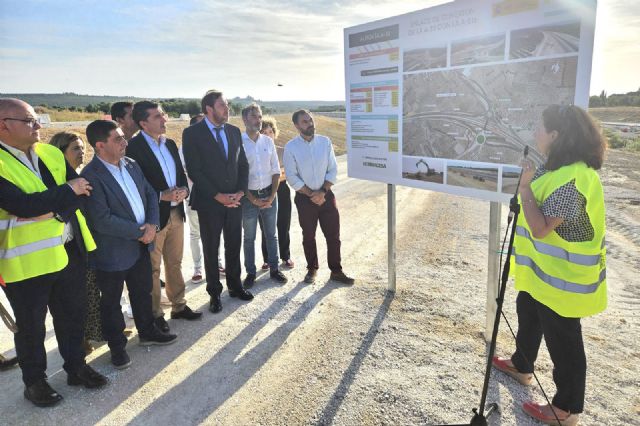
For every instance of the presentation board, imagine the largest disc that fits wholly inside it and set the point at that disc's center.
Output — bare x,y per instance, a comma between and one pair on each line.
446,98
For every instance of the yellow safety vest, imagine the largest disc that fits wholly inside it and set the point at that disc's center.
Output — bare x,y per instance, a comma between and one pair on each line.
568,277
32,248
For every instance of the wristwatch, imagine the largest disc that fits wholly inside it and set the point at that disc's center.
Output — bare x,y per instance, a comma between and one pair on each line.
157,228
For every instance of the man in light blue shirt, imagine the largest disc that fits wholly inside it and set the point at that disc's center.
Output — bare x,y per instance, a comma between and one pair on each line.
311,169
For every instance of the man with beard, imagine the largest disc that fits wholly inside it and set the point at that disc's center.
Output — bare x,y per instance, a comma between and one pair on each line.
260,201
311,169
217,165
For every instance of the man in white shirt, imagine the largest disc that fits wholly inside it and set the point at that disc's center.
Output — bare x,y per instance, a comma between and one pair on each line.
260,200
311,169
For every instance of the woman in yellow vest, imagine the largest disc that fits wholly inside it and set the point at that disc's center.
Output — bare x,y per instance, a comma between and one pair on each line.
559,258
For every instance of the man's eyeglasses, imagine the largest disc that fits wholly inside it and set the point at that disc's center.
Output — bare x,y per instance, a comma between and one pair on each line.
28,121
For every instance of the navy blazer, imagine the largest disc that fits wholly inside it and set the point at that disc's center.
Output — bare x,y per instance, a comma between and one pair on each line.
138,149
208,168
111,218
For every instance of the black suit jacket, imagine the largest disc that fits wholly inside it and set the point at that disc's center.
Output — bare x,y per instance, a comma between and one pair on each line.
139,150
208,168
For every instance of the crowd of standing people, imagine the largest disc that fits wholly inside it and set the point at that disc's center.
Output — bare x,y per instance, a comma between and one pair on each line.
74,235
69,242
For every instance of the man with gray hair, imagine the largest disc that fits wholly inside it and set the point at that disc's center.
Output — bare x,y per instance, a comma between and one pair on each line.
260,197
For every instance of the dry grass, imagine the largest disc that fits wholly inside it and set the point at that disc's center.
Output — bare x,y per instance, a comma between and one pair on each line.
617,114
331,127
66,115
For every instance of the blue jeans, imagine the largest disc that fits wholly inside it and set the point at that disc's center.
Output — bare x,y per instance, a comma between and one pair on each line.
250,213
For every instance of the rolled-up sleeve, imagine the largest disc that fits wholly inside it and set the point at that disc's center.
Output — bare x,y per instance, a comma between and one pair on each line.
332,166
291,170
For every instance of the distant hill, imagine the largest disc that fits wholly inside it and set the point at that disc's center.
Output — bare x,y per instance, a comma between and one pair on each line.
68,99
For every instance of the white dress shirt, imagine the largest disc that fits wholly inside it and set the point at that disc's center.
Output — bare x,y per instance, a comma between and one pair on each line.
263,160
165,159
310,163
129,187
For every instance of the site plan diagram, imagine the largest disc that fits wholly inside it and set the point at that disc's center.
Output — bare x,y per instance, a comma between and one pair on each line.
447,98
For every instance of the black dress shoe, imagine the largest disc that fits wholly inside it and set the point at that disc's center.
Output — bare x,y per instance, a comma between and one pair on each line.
162,324
215,305
310,278
120,359
41,394
278,276
87,377
187,314
7,363
241,294
249,281
156,337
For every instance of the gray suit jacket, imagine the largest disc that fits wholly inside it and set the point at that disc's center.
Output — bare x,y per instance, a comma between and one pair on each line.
111,218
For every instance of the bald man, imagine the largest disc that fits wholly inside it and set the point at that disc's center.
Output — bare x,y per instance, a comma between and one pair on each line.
44,242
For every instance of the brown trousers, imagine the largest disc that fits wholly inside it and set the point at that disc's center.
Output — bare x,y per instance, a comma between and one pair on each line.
169,246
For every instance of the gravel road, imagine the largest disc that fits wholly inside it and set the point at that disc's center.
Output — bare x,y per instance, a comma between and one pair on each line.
327,354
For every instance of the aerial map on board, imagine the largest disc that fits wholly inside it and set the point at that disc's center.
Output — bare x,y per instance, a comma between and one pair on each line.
485,113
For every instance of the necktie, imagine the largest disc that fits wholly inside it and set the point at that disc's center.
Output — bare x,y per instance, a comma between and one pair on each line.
219,139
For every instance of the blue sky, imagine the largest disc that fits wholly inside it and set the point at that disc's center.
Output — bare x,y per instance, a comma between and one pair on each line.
181,48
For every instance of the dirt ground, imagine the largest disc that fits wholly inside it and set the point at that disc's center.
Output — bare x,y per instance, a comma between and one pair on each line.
327,354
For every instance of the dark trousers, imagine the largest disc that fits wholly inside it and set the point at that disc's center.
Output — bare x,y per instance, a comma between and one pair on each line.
283,223
563,337
65,293
139,284
309,214
229,223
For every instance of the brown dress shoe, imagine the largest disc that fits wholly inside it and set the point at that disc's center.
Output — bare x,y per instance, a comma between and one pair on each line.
341,277
7,363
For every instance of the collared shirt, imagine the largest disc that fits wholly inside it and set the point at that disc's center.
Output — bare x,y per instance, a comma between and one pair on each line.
263,160
67,234
126,182
222,134
165,159
310,163
31,164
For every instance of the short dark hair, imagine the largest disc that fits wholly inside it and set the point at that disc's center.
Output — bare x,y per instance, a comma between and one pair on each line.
141,111
251,107
298,113
209,99
195,119
118,109
579,137
62,140
98,131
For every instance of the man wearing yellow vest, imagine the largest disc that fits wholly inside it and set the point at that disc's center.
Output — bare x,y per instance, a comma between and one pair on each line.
559,258
44,241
